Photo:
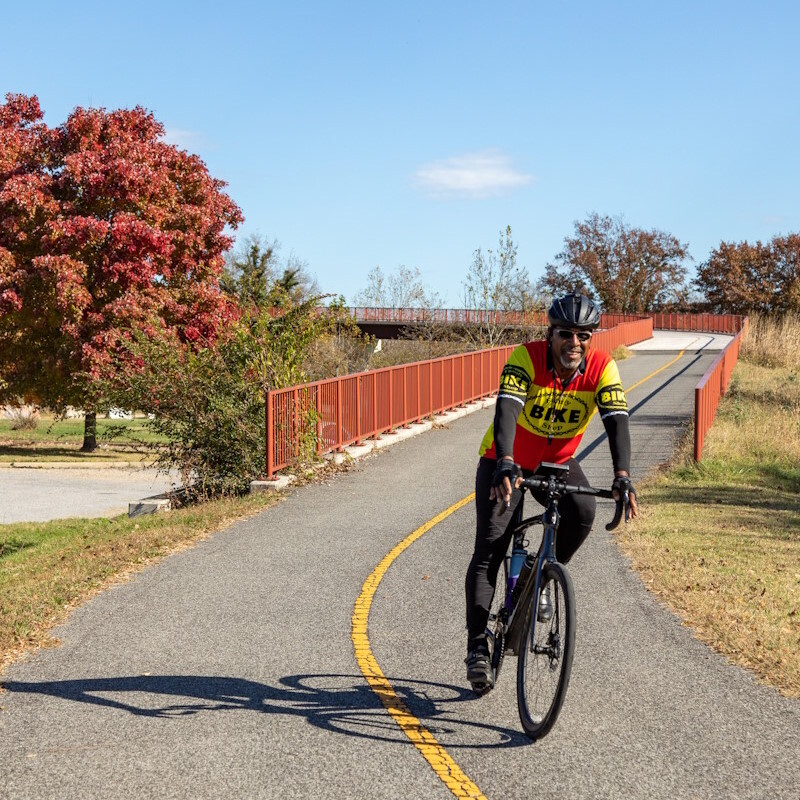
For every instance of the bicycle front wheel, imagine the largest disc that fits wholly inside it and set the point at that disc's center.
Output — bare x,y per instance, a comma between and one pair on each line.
545,654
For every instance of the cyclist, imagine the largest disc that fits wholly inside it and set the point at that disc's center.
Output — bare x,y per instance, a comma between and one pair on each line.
549,389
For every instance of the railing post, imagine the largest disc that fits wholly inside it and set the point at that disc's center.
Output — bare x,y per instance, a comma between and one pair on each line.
320,445
339,447
391,398
268,436
375,405
405,402
698,423
430,387
419,391
297,422
358,410
453,381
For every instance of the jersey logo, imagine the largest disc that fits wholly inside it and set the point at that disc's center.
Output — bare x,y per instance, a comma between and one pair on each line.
548,414
514,380
612,398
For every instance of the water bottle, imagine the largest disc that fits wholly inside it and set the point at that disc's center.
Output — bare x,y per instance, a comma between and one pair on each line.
518,555
525,571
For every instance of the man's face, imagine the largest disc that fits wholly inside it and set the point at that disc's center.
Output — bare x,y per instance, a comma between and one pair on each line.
569,346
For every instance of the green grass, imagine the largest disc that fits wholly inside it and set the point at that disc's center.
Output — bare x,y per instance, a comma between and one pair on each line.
61,440
70,431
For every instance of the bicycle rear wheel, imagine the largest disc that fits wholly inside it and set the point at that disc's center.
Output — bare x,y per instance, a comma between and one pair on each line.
545,655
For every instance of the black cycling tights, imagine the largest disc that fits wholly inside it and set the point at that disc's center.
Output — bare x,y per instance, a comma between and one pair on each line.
493,536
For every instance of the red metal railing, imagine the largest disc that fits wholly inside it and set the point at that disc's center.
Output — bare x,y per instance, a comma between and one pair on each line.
462,316
707,323
351,408
331,414
712,386
469,316
623,333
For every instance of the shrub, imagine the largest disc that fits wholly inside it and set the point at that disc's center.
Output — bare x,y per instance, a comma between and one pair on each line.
208,400
23,418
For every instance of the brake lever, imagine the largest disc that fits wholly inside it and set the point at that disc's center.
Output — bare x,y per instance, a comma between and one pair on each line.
622,504
617,516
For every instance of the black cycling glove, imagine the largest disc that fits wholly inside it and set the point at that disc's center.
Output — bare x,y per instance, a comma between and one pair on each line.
622,483
505,469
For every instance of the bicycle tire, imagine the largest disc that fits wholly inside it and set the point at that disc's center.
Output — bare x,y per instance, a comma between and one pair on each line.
544,661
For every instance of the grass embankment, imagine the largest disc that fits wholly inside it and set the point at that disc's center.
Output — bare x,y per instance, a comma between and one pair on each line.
719,541
48,567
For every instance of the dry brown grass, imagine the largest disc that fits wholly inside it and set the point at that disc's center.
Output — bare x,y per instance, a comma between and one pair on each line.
772,341
758,425
719,541
394,352
23,418
621,353
727,560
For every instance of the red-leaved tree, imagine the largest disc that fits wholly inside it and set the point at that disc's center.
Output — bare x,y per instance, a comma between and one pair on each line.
103,226
627,269
742,278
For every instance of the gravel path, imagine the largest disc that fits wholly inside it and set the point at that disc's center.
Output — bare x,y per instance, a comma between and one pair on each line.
37,495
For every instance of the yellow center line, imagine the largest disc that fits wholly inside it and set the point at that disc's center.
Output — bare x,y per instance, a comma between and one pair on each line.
653,374
439,759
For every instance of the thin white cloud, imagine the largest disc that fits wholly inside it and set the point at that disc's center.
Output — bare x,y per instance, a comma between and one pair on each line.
774,220
475,175
186,140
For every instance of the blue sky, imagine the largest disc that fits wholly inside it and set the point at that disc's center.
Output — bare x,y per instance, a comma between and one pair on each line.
363,134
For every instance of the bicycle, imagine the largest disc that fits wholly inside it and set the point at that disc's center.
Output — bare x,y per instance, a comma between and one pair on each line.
520,623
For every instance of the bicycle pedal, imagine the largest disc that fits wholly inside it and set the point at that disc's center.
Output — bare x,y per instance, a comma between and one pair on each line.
481,689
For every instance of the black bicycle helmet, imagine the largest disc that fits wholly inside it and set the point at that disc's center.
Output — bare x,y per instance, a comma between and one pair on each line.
574,311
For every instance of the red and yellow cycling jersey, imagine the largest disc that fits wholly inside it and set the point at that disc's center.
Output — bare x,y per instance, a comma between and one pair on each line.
554,417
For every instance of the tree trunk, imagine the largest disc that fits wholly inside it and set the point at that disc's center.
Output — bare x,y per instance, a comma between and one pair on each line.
89,433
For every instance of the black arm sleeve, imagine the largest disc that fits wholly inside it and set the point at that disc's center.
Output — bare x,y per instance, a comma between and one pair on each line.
506,412
619,438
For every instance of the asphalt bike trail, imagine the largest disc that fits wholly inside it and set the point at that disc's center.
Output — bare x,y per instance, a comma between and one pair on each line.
650,712
229,667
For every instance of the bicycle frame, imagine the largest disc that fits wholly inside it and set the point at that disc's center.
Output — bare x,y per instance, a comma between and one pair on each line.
554,489
549,519
521,591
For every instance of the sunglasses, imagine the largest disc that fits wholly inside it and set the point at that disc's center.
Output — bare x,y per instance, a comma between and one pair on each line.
583,336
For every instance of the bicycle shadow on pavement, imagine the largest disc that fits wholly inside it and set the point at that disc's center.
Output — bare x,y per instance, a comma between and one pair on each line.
342,704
